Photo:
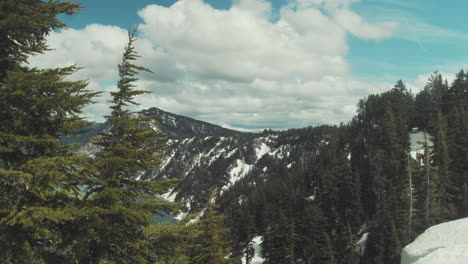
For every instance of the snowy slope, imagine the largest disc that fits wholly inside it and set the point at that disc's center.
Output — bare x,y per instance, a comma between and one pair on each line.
445,243
204,156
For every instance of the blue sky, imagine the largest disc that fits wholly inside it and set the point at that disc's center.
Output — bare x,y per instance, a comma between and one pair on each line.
218,65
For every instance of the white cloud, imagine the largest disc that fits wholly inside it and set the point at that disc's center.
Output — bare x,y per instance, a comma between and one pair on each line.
233,67
98,48
241,44
356,25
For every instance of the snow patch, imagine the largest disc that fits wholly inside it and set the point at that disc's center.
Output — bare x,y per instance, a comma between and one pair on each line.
169,196
168,160
417,141
361,244
139,176
238,172
181,216
231,153
198,217
256,244
262,150
445,243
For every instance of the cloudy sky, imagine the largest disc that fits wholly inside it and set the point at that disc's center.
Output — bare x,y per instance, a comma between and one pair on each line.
254,64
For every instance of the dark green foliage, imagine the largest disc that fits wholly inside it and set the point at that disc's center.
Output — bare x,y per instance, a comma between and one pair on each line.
39,177
173,243
445,189
457,143
118,207
24,26
280,240
211,246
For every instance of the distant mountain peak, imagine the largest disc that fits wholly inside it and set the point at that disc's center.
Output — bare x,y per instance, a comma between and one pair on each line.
178,126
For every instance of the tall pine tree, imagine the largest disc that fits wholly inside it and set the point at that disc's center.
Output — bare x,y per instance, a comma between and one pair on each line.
212,247
118,207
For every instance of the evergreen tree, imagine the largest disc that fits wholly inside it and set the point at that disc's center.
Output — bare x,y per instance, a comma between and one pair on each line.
445,189
458,93
118,207
212,247
327,254
173,243
457,141
39,176
310,227
275,245
346,244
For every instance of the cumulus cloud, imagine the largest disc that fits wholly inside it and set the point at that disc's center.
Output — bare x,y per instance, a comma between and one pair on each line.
97,48
232,67
241,44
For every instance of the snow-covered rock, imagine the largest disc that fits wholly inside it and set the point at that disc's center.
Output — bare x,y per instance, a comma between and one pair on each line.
445,243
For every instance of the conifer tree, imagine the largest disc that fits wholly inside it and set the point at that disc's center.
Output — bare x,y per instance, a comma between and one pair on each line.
347,246
118,206
173,243
327,254
275,245
212,247
39,176
457,141
445,189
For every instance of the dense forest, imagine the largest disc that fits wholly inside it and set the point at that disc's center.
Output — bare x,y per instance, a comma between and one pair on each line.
58,206
364,182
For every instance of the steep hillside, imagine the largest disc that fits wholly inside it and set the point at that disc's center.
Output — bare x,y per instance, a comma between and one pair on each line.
206,156
177,126
221,162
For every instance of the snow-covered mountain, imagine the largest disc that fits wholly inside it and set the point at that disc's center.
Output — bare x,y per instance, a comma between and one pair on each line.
205,156
445,243
178,126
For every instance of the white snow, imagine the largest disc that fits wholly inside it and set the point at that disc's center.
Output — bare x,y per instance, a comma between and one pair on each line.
417,143
262,150
445,243
170,195
139,176
198,217
168,160
257,259
231,153
181,216
238,172
361,244
280,151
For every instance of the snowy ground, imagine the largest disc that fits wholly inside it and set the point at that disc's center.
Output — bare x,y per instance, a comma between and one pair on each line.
257,259
445,243
417,143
